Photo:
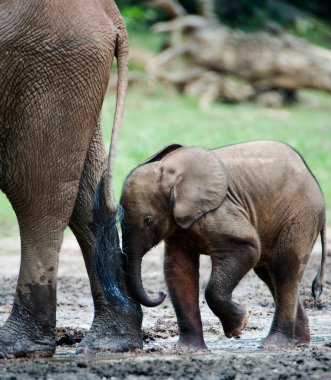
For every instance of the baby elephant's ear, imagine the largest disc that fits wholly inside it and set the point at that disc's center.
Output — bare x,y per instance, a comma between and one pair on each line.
196,181
162,153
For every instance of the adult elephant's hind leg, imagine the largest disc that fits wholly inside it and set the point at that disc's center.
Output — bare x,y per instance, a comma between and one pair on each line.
116,326
29,330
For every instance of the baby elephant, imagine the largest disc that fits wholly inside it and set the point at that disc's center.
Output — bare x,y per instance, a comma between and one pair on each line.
251,205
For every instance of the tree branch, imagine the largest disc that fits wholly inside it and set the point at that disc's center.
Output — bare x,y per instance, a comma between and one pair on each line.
172,7
206,8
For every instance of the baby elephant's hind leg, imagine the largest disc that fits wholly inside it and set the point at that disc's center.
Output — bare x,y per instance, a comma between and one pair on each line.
284,333
283,275
301,329
228,268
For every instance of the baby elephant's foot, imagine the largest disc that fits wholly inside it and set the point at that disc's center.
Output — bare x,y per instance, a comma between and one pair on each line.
192,342
302,341
277,340
302,336
234,326
301,332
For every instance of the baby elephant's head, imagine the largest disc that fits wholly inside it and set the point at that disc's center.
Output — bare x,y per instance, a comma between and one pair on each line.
171,190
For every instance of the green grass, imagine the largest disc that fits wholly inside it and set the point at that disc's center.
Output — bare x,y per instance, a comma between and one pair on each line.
156,118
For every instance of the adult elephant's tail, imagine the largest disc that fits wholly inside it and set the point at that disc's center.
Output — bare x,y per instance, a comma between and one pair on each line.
317,285
107,251
122,56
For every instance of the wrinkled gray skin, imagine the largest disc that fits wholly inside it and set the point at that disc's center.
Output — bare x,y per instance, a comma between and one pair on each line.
252,205
55,59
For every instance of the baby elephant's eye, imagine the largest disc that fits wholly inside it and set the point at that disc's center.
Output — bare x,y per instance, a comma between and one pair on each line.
148,221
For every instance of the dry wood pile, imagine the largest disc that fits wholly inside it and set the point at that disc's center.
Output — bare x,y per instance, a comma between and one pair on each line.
213,62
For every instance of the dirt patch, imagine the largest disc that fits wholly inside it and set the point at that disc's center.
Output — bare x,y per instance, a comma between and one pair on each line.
160,357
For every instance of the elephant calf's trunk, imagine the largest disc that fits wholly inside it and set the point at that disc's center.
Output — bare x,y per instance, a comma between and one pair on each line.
136,288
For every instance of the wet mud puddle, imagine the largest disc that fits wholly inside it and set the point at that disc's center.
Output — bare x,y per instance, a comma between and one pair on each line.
167,348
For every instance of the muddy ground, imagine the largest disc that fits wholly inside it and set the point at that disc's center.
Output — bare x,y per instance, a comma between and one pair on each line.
160,358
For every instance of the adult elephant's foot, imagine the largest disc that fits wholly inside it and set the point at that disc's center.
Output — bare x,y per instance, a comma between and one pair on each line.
277,340
105,340
19,340
114,332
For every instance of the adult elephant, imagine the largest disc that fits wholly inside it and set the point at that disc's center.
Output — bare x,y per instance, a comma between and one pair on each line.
55,58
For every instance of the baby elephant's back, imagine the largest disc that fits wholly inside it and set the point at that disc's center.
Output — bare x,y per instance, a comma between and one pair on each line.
272,180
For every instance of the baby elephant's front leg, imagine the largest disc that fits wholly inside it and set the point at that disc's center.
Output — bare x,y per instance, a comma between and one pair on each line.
181,269
228,268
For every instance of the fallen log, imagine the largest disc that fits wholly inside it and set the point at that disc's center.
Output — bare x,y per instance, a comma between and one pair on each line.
263,61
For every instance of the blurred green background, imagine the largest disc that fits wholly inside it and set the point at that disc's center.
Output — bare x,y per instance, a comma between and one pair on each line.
157,116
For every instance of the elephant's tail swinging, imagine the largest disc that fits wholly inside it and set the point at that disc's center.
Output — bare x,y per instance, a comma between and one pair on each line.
317,285
122,55
107,252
